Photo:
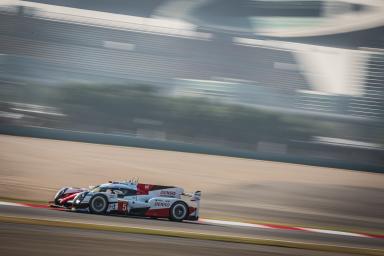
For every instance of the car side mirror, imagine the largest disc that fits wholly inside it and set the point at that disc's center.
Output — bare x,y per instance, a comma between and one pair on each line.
119,193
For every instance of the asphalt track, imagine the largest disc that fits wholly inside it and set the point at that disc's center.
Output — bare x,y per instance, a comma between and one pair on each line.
10,234
40,240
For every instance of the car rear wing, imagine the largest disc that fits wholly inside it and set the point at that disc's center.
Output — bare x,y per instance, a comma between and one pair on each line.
194,196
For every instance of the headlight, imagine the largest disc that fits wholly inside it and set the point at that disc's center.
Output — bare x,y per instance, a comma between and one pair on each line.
80,197
60,192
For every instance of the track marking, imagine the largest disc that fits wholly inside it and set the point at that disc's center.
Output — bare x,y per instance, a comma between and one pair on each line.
193,235
233,223
282,227
10,204
334,232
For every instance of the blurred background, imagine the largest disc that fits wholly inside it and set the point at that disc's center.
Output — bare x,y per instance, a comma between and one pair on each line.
288,80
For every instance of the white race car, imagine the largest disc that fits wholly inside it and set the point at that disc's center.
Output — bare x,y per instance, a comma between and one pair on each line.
132,198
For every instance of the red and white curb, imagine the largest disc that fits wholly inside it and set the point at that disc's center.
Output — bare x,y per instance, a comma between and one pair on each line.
237,224
283,227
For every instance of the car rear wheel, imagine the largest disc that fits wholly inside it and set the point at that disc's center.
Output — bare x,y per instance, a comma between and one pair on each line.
178,211
98,204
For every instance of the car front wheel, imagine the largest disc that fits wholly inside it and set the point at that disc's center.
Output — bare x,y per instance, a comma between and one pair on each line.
98,204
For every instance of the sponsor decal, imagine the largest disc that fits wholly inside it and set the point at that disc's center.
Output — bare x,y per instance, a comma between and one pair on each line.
162,204
167,193
122,206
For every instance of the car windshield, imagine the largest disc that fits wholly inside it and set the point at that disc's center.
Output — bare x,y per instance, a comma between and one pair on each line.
124,191
96,189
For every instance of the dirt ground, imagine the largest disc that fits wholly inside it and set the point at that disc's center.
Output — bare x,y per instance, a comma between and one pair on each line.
35,169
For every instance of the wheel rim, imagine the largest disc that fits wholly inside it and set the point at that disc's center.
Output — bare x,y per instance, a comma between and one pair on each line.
179,211
98,204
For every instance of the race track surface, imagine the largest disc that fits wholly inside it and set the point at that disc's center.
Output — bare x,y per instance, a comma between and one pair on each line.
194,227
240,190
39,240
232,188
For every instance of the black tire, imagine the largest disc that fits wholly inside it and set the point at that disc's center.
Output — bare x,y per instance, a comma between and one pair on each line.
98,204
178,211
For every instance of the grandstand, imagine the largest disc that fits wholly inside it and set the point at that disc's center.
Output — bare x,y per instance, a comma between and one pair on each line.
55,42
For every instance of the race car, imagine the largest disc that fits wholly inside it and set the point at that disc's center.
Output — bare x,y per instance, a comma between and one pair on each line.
131,198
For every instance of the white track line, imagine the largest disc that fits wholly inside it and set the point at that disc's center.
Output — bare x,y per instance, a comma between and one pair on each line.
10,204
281,227
250,225
232,223
334,232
